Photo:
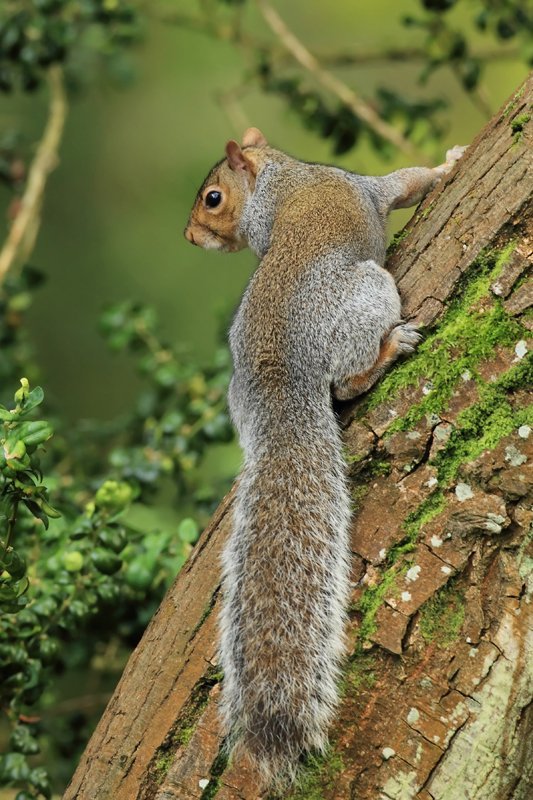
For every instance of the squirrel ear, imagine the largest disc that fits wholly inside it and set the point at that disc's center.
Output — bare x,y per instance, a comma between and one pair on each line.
235,156
253,138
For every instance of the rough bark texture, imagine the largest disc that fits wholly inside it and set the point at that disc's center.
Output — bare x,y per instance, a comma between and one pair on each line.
438,686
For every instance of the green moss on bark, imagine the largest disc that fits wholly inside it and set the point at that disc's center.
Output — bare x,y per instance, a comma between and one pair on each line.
184,728
485,423
205,613
318,775
359,673
467,335
425,512
517,126
162,766
218,768
442,616
511,105
370,603
395,241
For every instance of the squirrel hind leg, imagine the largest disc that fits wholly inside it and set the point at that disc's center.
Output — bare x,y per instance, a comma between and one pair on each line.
401,340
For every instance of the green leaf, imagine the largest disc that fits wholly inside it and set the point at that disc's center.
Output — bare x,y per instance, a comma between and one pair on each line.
114,495
48,650
73,561
39,778
14,448
108,592
34,670
48,509
5,415
13,767
45,606
188,530
140,574
7,593
105,561
35,398
18,465
35,432
23,741
35,509
113,538
22,393
22,588
15,564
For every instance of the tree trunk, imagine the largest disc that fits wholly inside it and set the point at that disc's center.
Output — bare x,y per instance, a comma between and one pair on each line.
438,685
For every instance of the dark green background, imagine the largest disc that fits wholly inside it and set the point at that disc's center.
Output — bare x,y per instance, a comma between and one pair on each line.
132,161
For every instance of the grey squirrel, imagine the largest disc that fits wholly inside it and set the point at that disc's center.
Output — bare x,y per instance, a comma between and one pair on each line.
320,318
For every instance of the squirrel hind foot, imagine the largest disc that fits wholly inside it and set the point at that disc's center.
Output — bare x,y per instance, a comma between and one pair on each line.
401,340
404,338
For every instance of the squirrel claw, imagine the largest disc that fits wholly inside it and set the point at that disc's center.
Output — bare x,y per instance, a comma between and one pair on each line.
452,157
406,337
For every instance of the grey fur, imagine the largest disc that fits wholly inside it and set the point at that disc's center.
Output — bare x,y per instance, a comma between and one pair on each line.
318,311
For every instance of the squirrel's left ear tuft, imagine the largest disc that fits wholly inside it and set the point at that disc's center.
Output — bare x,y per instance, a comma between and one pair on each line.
253,138
235,156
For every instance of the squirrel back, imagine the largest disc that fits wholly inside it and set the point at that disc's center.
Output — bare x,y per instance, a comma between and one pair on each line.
320,316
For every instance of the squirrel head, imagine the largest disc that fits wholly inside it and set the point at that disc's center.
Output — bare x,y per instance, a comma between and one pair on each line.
215,218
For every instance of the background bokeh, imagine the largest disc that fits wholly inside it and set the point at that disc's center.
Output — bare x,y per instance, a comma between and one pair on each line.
142,131
134,157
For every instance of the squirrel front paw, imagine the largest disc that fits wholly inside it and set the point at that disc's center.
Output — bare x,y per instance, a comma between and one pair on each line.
452,157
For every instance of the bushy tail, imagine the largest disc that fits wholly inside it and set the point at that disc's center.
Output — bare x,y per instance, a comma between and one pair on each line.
285,588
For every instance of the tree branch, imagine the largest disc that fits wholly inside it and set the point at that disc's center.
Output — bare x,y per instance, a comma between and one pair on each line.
333,84
23,233
341,58
285,52
405,55
229,101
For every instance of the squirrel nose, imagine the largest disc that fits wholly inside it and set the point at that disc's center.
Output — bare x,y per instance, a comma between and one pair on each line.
189,235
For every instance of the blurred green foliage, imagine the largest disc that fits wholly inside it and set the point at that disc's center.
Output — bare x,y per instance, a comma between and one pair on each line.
97,516
35,35
84,568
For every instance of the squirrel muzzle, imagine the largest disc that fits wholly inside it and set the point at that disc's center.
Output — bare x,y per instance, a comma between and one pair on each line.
211,239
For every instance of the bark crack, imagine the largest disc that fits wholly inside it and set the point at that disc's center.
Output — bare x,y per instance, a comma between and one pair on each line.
445,751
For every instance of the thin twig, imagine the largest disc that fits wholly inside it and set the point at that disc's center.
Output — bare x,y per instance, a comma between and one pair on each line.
399,55
330,82
23,232
403,55
478,96
229,101
479,99
210,27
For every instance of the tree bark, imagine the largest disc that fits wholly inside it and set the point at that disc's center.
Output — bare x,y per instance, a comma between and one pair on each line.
438,683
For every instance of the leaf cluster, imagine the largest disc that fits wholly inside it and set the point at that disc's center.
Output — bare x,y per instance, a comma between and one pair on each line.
448,36
84,546
449,44
35,34
337,123
98,556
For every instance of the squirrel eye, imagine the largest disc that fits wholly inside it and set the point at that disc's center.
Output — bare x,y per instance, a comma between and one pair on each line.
212,199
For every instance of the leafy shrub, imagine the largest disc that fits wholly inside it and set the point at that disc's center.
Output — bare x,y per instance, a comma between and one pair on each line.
72,571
